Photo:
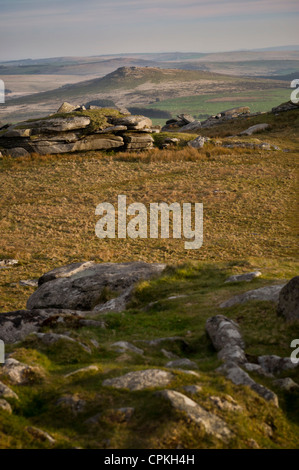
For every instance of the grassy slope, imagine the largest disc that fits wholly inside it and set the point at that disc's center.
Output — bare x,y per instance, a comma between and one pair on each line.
248,224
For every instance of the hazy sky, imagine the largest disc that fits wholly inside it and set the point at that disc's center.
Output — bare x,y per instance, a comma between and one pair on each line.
52,28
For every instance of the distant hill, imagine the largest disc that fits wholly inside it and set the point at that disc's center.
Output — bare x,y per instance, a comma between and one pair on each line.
142,86
130,78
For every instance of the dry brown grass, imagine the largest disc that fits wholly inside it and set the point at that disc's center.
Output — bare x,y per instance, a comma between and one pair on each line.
48,208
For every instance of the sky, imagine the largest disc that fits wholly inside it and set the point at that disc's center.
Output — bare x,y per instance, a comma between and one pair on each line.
54,28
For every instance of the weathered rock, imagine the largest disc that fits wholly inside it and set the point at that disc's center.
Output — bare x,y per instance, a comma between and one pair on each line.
83,370
239,377
252,444
141,380
118,304
52,338
111,129
171,140
192,389
5,406
125,413
269,293
82,290
244,277
72,402
66,108
287,384
58,124
227,403
13,131
187,118
65,271
141,141
29,282
288,303
90,142
198,143
7,392
289,106
236,111
275,364
247,145
5,263
133,122
169,354
191,127
257,128
226,338
256,368
15,152
181,342
19,373
123,346
182,363
40,435
210,422
16,326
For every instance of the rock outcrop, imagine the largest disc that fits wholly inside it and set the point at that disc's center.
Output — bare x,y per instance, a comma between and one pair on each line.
288,303
74,131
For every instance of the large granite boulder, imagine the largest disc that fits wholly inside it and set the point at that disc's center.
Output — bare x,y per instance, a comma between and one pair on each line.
288,303
82,290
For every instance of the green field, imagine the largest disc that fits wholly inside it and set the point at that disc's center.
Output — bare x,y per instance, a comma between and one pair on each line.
202,106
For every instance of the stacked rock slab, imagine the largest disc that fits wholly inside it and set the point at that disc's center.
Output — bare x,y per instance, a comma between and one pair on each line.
75,133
